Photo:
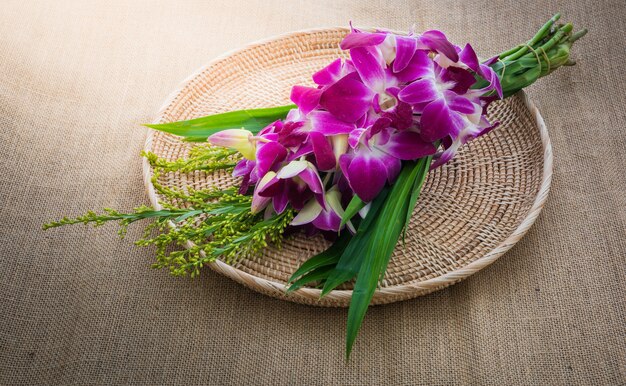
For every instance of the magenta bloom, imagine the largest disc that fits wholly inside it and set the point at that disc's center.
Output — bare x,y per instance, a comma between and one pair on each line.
390,102
327,219
377,154
294,184
402,46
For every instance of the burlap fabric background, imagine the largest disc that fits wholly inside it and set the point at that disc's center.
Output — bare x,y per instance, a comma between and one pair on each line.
79,306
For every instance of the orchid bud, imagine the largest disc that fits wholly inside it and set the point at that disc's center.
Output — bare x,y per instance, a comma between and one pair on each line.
238,139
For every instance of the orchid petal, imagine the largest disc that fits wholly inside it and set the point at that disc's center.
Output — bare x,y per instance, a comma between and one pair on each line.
340,145
492,77
329,74
405,49
378,126
408,145
307,214
388,48
259,202
370,66
344,163
419,66
243,167
292,169
476,117
461,104
421,91
293,134
303,150
326,123
298,193
272,187
459,77
362,39
312,179
347,99
488,128
437,41
445,156
392,166
327,220
268,154
280,201
367,176
469,58
401,116
355,137
323,150
438,121
306,98
333,197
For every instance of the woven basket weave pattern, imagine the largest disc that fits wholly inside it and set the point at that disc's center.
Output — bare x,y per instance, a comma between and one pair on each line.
470,212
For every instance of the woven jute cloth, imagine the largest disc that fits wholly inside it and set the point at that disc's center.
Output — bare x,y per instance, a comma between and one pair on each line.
79,306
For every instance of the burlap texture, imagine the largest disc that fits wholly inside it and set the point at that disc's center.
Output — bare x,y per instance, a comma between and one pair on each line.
79,306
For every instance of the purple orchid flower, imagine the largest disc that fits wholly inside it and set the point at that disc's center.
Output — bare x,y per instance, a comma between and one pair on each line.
400,48
245,169
376,156
469,60
267,155
327,219
372,86
378,84
333,72
388,103
260,202
473,126
294,184
314,132
298,125
438,95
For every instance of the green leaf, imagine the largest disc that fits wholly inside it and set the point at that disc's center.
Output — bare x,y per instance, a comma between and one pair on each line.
329,257
194,139
318,274
351,258
253,120
355,205
185,216
378,243
423,168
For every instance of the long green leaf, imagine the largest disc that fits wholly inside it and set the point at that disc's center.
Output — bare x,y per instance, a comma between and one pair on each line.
423,166
378,244
354,206
253,120
350,261
328,257
316,275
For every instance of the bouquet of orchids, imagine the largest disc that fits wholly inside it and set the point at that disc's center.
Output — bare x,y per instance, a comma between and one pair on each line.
347,160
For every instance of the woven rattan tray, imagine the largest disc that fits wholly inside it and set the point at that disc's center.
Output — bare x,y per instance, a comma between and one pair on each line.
471,211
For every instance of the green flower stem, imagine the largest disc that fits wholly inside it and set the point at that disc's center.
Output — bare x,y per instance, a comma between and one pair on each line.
218,223
520,50
548,50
